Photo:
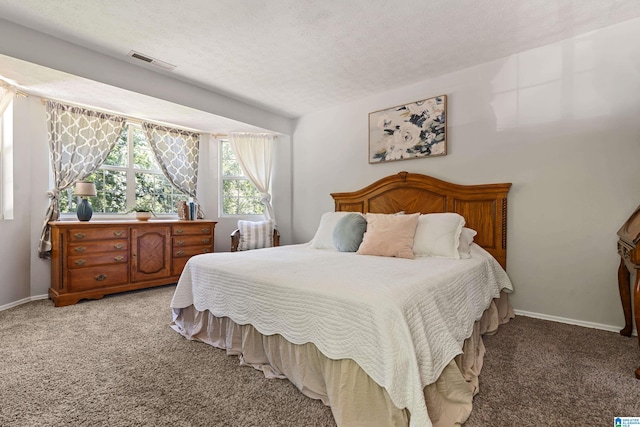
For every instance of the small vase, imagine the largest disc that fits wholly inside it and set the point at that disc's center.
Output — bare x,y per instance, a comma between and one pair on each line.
143,216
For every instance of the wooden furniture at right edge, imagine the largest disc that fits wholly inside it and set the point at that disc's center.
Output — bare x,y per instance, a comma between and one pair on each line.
629,252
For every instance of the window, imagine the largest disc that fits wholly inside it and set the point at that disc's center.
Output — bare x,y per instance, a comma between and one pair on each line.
238,196
129,174
6,163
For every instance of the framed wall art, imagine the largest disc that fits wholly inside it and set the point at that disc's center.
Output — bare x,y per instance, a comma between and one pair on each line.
409,131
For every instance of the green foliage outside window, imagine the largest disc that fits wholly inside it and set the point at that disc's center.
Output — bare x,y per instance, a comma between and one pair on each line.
239,195
112,177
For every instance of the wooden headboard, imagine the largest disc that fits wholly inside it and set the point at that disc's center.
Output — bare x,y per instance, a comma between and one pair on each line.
484,207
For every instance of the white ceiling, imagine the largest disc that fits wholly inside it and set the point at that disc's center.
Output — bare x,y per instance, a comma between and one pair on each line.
294,57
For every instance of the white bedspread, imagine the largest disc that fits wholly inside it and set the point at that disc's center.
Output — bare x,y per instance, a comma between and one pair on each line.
401,320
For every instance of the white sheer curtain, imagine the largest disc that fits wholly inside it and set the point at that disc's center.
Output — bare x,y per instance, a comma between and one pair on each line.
254,153
7,92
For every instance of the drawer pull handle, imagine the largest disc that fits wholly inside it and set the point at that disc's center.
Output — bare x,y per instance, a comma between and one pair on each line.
80,262
100,277
119,258
80,249
79,235
118,246
118,233
179,231
180,253
180,242
205,240
205,250
204,230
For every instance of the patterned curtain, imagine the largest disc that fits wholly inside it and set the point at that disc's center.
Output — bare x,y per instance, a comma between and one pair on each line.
177,153
253,151
79,142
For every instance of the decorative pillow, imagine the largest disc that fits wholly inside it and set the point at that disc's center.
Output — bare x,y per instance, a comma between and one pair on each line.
255,234
466,239
438,235
389,235
347,235
323,238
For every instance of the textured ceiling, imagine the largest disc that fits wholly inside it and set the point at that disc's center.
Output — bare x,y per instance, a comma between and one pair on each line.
293,57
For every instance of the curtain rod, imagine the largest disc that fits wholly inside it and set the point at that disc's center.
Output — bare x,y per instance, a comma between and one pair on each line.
136,120
18,91
7,85
225,135
130,118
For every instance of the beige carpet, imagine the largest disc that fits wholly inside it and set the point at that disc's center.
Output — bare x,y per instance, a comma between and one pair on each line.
116,362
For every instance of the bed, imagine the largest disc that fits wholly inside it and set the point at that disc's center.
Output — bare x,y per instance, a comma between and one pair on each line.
382,340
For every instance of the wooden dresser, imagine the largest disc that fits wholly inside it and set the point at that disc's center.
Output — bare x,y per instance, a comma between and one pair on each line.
96,258
629,251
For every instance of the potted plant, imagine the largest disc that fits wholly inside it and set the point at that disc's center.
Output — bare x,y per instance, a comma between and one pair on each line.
143,211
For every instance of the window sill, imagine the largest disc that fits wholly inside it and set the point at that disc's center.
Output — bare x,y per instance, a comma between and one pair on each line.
116,217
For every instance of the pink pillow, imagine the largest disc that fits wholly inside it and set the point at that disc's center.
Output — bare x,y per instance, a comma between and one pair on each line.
389,235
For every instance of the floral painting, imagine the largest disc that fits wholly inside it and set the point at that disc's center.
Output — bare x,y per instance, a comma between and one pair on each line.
409,131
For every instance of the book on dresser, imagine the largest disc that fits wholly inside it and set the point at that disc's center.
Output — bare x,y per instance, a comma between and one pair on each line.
91,259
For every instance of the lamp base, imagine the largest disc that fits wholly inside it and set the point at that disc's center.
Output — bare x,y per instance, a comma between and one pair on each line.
84,211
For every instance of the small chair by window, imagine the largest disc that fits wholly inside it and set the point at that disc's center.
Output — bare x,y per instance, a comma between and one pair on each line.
254,235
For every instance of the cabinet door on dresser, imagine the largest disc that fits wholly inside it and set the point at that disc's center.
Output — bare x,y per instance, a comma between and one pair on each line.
150,252
189,240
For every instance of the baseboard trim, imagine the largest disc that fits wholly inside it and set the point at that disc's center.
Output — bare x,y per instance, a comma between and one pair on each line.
558,319
23,301
568,321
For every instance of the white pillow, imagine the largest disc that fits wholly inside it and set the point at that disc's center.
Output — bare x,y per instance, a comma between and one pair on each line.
466,239
255,234
438,235
323,238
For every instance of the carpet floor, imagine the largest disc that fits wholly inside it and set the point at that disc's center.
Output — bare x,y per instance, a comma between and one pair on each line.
116,362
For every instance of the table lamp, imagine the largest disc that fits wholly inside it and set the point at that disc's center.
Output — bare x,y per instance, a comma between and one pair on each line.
84,190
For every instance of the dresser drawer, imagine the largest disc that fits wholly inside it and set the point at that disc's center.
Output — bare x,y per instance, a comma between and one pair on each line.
82,261
191,241
191,251
83,279
191,229
177,265
97,246
83,234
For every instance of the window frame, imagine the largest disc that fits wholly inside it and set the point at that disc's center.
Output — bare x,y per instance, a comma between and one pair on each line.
221,180
130,171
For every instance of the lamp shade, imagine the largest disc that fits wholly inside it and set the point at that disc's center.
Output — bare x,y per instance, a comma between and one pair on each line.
85,189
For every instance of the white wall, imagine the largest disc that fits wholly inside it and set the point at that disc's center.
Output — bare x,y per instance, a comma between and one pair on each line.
24,275
561,122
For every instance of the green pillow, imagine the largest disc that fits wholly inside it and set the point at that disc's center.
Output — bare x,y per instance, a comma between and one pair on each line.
347,235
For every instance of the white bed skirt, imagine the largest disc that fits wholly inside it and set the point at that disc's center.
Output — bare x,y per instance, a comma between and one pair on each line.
355,399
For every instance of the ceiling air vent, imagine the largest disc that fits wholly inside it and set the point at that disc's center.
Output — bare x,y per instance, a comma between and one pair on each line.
151,61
